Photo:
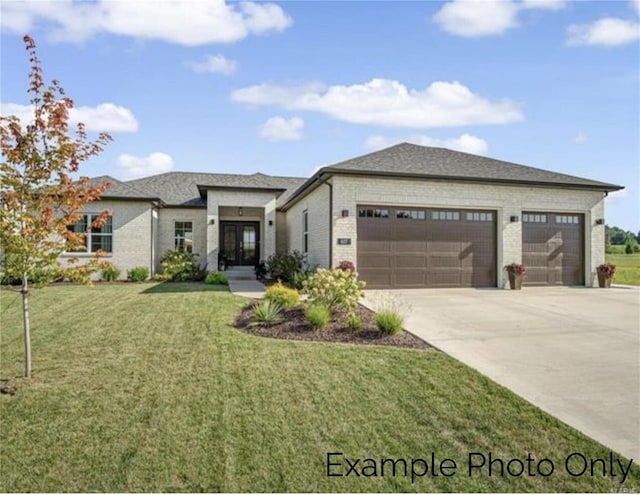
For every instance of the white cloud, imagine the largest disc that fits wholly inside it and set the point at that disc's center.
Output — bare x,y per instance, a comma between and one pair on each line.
465,142
281,129
388,103
134,167
475,18
190,22
105,117
636,5
609,31
215,64
581,138
544,4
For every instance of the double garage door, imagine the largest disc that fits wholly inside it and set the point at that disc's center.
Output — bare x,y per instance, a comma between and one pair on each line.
424,247
421,247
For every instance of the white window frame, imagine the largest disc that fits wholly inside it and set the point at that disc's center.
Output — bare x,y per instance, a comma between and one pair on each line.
177,238
88,234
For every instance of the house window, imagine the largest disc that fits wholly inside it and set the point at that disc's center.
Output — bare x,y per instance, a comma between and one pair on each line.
373,213
534,218
445,215
95,238
567,219
479,217
411,214
184,237
305,230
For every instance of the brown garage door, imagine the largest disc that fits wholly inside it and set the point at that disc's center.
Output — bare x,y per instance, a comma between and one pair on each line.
553,248
421,247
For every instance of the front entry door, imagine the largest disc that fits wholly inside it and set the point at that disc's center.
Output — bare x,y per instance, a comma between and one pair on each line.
240,242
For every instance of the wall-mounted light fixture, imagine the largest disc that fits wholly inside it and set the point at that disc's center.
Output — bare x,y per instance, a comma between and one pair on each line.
240,212
599,221
212,221
270,223
345,213
514,218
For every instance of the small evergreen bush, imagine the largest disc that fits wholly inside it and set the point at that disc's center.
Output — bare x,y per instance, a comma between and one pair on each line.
318,316
283,295
217,278
138,274
285,266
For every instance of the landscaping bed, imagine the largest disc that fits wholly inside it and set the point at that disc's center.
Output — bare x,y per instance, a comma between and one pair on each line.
295,327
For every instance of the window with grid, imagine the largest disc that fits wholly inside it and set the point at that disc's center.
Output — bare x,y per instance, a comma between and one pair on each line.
95,238
183,236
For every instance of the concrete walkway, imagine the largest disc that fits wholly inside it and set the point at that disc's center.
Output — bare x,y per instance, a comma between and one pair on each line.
573,352
247,288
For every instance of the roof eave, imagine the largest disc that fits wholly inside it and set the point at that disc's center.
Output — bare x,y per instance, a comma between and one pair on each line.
312,183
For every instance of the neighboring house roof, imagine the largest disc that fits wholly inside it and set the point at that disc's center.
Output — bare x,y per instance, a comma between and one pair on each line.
120,190
183,188
411,160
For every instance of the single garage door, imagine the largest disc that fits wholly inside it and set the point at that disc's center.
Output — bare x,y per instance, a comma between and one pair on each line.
422,247
553,248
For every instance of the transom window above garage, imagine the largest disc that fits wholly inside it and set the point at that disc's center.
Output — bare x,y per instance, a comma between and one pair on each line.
534,218
445,215
573,219
477,216
373,212
411,214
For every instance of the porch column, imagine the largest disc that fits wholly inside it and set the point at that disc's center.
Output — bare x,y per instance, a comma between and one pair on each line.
213,234
269,243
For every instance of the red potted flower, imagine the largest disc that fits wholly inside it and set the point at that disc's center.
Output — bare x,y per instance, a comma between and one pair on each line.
606,271
516,273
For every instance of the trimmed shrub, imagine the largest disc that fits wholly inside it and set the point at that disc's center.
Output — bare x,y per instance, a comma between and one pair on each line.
180,266
266,313
110,273
331,288
628,248
285,266
138,274
217,278
389,322
354,323
318,316
283,295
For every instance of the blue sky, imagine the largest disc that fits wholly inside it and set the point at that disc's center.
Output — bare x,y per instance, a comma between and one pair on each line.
283,88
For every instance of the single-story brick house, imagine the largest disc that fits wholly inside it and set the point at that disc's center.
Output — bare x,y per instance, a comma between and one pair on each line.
407,216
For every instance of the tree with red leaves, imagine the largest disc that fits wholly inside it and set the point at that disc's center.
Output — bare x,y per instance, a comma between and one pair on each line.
41,197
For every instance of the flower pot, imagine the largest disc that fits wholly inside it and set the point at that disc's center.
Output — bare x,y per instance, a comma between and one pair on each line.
604,282
515,281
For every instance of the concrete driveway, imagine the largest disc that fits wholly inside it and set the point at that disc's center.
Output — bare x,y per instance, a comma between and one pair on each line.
574,352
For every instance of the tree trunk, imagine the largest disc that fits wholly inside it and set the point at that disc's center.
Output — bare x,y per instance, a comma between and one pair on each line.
27,326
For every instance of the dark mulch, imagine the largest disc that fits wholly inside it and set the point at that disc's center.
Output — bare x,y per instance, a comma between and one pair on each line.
295,327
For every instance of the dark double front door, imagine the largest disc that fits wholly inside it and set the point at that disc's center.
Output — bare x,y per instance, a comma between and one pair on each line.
240,242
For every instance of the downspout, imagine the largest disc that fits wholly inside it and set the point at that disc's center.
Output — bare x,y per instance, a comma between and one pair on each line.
152,250
330,224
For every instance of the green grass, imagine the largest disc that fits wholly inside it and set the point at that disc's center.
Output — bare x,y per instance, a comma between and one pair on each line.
147,387
627,268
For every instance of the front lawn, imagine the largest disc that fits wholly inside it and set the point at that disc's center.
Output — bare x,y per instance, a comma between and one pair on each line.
627,268
149,388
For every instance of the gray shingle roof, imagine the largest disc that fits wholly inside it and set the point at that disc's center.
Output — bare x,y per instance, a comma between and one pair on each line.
181,188
414,160
119,189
